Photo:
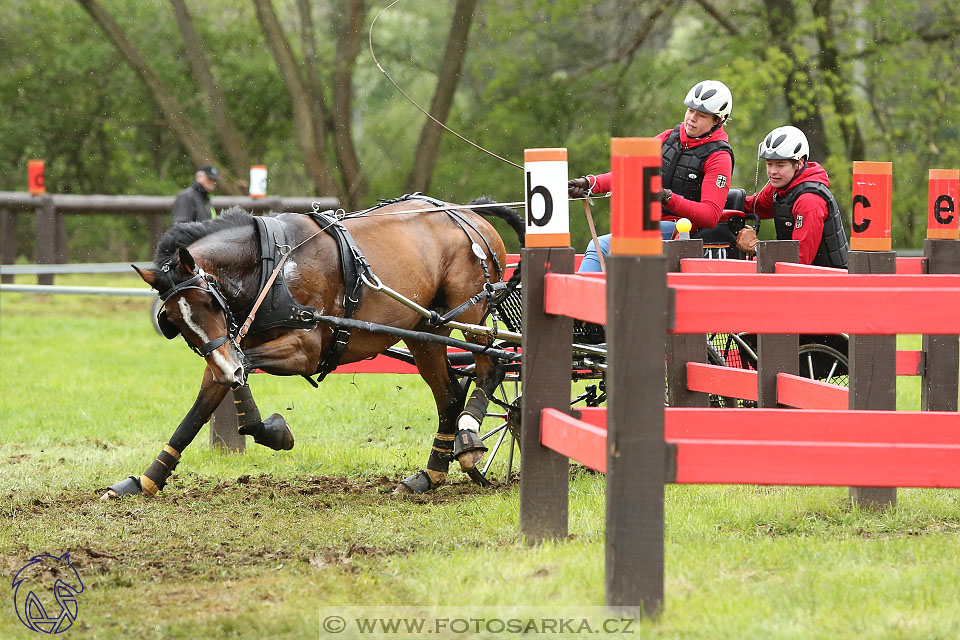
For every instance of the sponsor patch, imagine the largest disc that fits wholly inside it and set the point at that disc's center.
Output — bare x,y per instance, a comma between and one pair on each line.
799,222
721,181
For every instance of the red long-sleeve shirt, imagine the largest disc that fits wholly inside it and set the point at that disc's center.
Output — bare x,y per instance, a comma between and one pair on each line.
809,210
706,213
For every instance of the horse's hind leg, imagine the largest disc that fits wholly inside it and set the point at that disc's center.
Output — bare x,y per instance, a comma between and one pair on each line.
431,361
468,447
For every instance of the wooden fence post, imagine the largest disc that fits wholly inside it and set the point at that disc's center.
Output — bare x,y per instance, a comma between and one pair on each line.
636,450
637,303
683,348
938,390
546,375
873,372
223,427
775,352
46,233
8,241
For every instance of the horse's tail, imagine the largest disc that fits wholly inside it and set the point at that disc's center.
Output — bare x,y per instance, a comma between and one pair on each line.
512,218
505,213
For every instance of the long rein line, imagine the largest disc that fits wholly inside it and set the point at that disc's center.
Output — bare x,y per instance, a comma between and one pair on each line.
414,103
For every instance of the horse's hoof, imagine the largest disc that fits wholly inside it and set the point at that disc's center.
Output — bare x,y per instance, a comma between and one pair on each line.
468,448
274,432
126,487
421,482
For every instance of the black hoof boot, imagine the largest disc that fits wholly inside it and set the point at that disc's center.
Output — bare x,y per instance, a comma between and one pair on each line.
274,432
420,482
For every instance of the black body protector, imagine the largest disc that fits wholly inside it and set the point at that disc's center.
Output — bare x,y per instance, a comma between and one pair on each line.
682,169
834,247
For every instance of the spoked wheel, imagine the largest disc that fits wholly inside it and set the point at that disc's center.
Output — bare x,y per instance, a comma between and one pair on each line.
731,350
500,429
824,363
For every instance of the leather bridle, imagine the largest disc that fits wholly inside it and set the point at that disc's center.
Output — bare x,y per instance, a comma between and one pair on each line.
198,278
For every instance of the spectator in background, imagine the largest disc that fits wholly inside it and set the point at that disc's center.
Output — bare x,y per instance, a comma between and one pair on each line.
193,203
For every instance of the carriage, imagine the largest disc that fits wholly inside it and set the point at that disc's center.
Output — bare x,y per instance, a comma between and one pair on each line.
424,276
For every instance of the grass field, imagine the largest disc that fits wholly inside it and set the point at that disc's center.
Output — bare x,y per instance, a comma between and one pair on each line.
266,544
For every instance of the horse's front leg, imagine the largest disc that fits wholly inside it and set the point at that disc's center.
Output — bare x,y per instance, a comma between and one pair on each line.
155,477
287,355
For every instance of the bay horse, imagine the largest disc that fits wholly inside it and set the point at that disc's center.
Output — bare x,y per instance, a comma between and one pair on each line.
210,273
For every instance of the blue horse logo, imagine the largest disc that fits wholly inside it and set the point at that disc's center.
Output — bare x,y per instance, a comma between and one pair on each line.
45,573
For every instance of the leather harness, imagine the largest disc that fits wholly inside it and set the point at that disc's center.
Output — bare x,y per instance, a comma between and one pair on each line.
278,308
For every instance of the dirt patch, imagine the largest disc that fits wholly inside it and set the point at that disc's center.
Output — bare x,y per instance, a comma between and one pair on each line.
194,486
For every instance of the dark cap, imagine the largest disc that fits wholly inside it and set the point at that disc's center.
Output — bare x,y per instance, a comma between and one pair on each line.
212,172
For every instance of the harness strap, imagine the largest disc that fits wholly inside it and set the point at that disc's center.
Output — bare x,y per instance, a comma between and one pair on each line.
353,264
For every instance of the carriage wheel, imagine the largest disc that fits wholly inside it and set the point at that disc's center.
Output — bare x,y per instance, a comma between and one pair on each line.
824,363
730,350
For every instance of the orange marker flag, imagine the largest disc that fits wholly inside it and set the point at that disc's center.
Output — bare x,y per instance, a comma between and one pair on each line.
872,192
635,203
942,198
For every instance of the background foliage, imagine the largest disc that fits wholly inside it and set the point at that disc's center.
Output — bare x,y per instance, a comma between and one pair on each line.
869,79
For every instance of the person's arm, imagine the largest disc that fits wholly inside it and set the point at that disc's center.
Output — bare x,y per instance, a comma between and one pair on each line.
809,214
604,181
713,194
761,203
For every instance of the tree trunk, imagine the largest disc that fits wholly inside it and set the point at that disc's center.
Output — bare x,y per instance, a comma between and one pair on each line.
191,139
314,155
322,120
210,88
837,80
799,88
428,146
350,35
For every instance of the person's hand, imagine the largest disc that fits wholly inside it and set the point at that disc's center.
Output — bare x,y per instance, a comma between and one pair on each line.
665,195
747,239
578,187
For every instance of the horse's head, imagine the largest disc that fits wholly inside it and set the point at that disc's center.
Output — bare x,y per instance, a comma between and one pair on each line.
194,307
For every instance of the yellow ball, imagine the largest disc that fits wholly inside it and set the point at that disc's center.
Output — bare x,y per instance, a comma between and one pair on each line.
683,225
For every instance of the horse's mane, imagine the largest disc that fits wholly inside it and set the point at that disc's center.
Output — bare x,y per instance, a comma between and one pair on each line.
186,233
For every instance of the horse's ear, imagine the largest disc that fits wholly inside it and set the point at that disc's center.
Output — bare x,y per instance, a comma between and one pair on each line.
186,260
148,276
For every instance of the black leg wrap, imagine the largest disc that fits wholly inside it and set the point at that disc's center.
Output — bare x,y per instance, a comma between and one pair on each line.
274,432
442,452
157,473
247,412
467,440
419,482
477,405
127,487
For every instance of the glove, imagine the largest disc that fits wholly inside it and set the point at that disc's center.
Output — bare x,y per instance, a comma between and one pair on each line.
578,187
665,195
747,240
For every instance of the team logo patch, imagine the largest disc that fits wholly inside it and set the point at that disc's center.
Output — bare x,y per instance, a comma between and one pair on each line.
799,222
721,181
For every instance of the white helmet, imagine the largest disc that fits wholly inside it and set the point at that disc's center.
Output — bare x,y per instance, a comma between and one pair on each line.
710,96
784,143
